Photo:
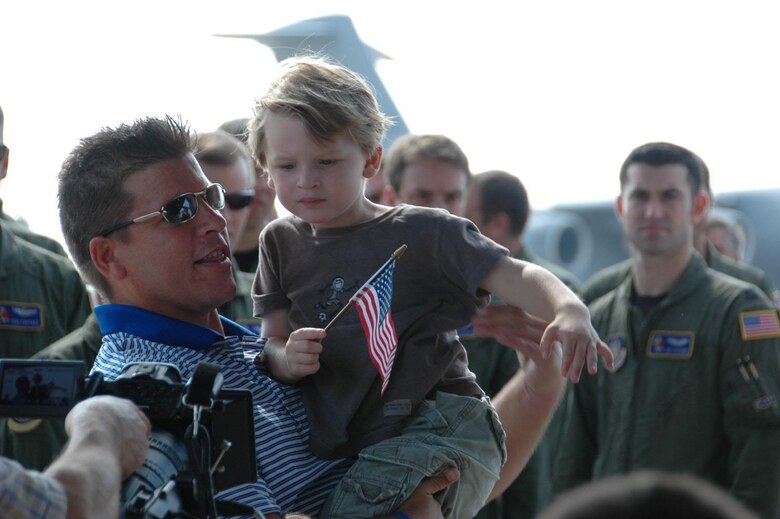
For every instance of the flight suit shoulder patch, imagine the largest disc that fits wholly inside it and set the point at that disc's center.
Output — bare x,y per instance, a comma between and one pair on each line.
760,324
23,425
617,345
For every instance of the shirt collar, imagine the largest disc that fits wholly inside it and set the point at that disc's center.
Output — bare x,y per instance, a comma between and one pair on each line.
156,327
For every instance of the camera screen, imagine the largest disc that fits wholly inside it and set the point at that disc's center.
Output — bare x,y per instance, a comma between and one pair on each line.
30,388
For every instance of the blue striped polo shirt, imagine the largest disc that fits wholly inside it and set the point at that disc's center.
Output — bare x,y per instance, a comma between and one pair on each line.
290,478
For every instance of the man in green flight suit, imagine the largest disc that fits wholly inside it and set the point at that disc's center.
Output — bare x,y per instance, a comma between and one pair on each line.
695,383
42,297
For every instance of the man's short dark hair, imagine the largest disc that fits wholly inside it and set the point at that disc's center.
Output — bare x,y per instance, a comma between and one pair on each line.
220,148
91,194
501,192
411,149
238,128
664,154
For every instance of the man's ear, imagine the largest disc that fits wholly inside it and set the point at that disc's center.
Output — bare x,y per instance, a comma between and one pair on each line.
102,253
498,225
701,207
373,163
389,197
619,206
4,162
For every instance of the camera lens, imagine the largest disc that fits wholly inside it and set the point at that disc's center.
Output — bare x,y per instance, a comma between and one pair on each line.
166,457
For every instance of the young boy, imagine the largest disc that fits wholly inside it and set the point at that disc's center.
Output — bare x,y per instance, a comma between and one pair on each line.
318,133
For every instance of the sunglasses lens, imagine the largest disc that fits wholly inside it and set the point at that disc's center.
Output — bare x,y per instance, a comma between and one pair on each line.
215,196
238,201
181,209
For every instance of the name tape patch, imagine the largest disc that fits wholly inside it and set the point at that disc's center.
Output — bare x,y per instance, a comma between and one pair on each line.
667,344
20,316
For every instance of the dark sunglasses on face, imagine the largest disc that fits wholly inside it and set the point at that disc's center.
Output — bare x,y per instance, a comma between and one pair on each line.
240,199
181,209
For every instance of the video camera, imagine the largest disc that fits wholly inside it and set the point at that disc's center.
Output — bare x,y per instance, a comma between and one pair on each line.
192,423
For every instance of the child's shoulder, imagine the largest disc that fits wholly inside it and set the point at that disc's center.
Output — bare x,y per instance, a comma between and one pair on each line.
413,212
285,224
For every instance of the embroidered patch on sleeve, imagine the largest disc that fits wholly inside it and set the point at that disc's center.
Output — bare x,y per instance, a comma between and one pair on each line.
764,402
761,324
617,345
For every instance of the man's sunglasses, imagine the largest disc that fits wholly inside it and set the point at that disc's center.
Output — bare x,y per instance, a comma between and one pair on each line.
240,199
181,209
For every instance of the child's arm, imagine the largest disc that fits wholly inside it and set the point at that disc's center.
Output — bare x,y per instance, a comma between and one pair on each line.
538,292
290,356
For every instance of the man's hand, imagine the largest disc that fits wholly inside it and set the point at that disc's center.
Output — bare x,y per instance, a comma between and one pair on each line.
422,504
510,326
109,437
113,423
570,331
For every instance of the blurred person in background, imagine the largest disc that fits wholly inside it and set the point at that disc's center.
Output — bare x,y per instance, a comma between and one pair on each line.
261,211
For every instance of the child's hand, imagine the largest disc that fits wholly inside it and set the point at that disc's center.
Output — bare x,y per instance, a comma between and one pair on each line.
579,342
302,352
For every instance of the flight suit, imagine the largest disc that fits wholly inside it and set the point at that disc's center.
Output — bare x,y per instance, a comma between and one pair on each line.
42,297
24,232
36,442
694,389
608,278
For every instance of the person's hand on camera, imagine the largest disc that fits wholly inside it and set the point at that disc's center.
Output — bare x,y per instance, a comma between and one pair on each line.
108,440
119,423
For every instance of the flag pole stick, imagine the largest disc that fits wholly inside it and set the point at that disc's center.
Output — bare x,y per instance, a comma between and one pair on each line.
396,255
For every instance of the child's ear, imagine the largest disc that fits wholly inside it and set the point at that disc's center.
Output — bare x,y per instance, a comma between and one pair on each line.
373,163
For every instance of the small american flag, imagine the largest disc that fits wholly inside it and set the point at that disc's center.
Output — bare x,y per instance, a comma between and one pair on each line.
758,325
373,305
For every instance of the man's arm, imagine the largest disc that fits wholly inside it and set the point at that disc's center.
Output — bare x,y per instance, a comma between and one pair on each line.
525,406
539,293
108,442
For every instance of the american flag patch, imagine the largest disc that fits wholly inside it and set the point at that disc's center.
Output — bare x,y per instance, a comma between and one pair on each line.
762,324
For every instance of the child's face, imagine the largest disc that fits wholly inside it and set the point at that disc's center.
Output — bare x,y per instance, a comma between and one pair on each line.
320,183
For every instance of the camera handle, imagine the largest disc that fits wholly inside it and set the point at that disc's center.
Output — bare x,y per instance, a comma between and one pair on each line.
201,392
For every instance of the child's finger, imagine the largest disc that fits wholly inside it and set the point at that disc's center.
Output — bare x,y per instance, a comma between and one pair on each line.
605,353
580,350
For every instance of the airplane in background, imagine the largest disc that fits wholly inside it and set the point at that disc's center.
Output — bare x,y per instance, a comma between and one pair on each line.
586,237
582,237
335,37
